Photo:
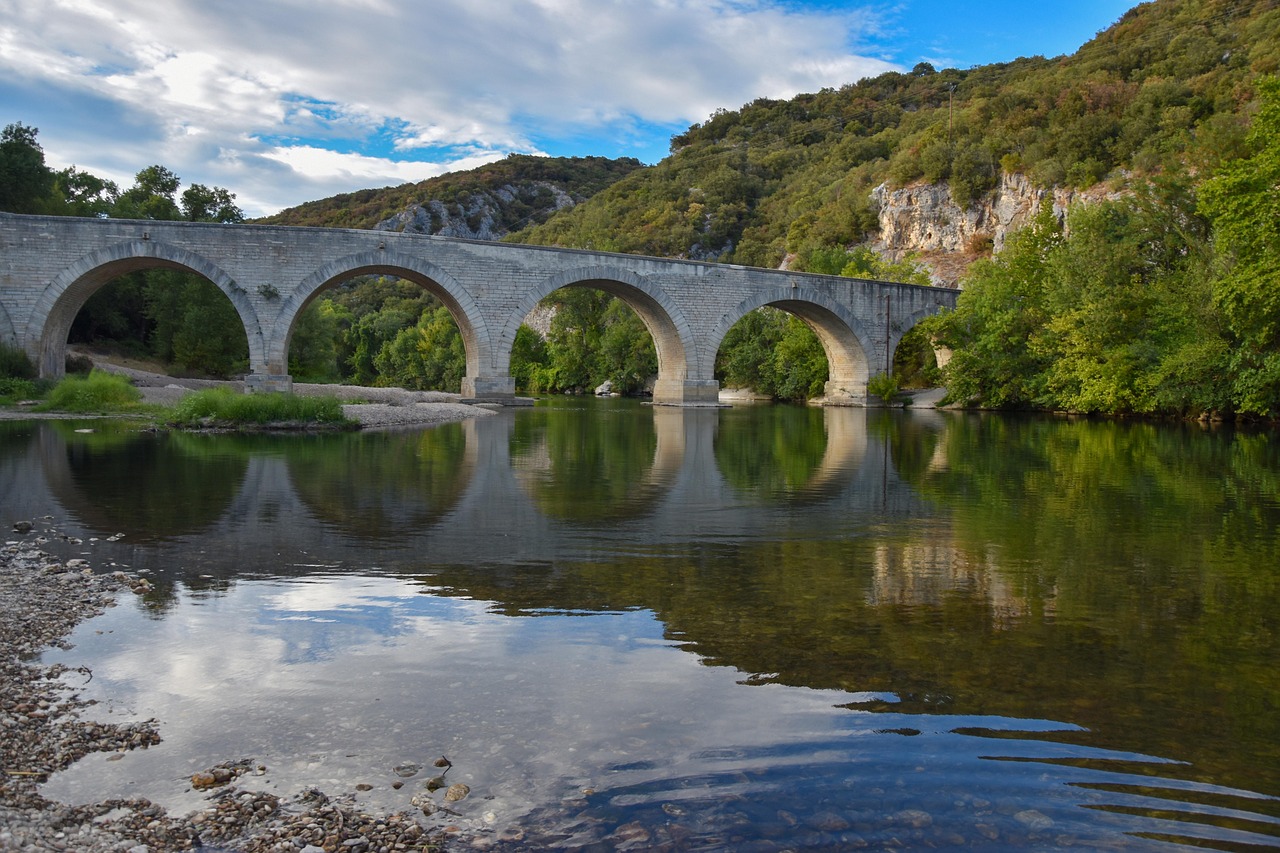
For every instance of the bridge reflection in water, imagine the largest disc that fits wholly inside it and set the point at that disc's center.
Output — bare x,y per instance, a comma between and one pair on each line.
542,477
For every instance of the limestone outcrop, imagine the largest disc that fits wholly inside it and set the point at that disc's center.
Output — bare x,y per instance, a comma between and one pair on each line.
480,214
924,219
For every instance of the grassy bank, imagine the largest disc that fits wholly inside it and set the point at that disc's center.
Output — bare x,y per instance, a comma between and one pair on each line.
102,393
222,408
97,393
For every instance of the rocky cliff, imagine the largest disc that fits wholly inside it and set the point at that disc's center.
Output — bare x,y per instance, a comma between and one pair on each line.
924,220
484,214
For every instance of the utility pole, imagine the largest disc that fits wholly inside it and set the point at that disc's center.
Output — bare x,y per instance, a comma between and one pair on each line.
951,113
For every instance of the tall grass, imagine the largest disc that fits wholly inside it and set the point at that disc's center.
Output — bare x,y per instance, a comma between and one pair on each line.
97,392
224,407
14,363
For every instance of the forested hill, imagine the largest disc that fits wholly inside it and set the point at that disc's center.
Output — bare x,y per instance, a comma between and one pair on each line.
960,156
484,203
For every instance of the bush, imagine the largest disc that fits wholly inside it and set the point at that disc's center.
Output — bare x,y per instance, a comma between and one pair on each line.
884,386
13,389
15,364
97,392
224,407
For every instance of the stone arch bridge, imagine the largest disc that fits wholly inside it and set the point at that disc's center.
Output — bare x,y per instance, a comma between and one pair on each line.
50,266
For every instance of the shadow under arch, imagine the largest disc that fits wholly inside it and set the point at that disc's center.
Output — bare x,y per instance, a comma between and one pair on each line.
594,470
70,289
843,336
797,453
664,320
433,279
148,486
382,486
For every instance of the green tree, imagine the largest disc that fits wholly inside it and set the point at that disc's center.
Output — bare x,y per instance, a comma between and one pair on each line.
26,183
1243,201
151,196
210,337
78,193
313,346
210,204
626,348
529,361
428,356
1002,307
746,353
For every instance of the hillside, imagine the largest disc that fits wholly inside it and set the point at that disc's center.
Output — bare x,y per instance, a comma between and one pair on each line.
943,163
483,203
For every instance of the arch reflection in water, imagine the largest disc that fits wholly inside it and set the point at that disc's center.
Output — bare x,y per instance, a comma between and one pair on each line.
576,469
116,479
382,485
796,452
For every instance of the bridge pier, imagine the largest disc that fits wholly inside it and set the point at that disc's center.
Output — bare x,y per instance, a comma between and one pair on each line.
686,392
843,393
266,383
488,389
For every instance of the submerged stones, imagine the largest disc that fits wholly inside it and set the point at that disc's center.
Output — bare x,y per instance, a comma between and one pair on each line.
42,599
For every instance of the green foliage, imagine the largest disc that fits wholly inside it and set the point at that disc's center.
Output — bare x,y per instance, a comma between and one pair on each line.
97,392
773,353
210,204
25,182
529,361
14,389
313,348
626,349
885,386
914,363
1113,315
1001,307
427,356
1244,204
224,407
15,364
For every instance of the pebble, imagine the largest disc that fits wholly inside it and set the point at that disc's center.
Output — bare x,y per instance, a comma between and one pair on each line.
41,732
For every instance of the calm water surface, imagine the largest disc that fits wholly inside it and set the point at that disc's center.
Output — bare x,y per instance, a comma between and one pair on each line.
744,629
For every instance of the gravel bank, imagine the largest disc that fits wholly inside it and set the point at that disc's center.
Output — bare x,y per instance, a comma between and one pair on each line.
372,408
43,729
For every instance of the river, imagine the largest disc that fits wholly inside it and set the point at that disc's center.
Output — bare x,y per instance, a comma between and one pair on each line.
755,628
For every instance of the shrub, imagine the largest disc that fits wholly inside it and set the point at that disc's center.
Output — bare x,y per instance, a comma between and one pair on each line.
15,363
884,386
13,389
224,407
97,392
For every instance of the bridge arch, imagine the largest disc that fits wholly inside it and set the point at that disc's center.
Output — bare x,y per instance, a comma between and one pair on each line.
672,336
71,288
844,337
442,285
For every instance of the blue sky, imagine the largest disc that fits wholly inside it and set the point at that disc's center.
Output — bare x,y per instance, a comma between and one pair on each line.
285,101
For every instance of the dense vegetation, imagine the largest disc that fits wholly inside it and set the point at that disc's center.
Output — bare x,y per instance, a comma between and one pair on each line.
1163,301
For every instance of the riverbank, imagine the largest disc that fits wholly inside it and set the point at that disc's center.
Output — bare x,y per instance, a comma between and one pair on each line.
372,408
45,726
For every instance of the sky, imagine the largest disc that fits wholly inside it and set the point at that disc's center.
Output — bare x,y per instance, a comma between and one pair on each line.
287,101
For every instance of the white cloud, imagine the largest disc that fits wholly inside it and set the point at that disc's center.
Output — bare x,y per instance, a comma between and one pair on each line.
270,83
